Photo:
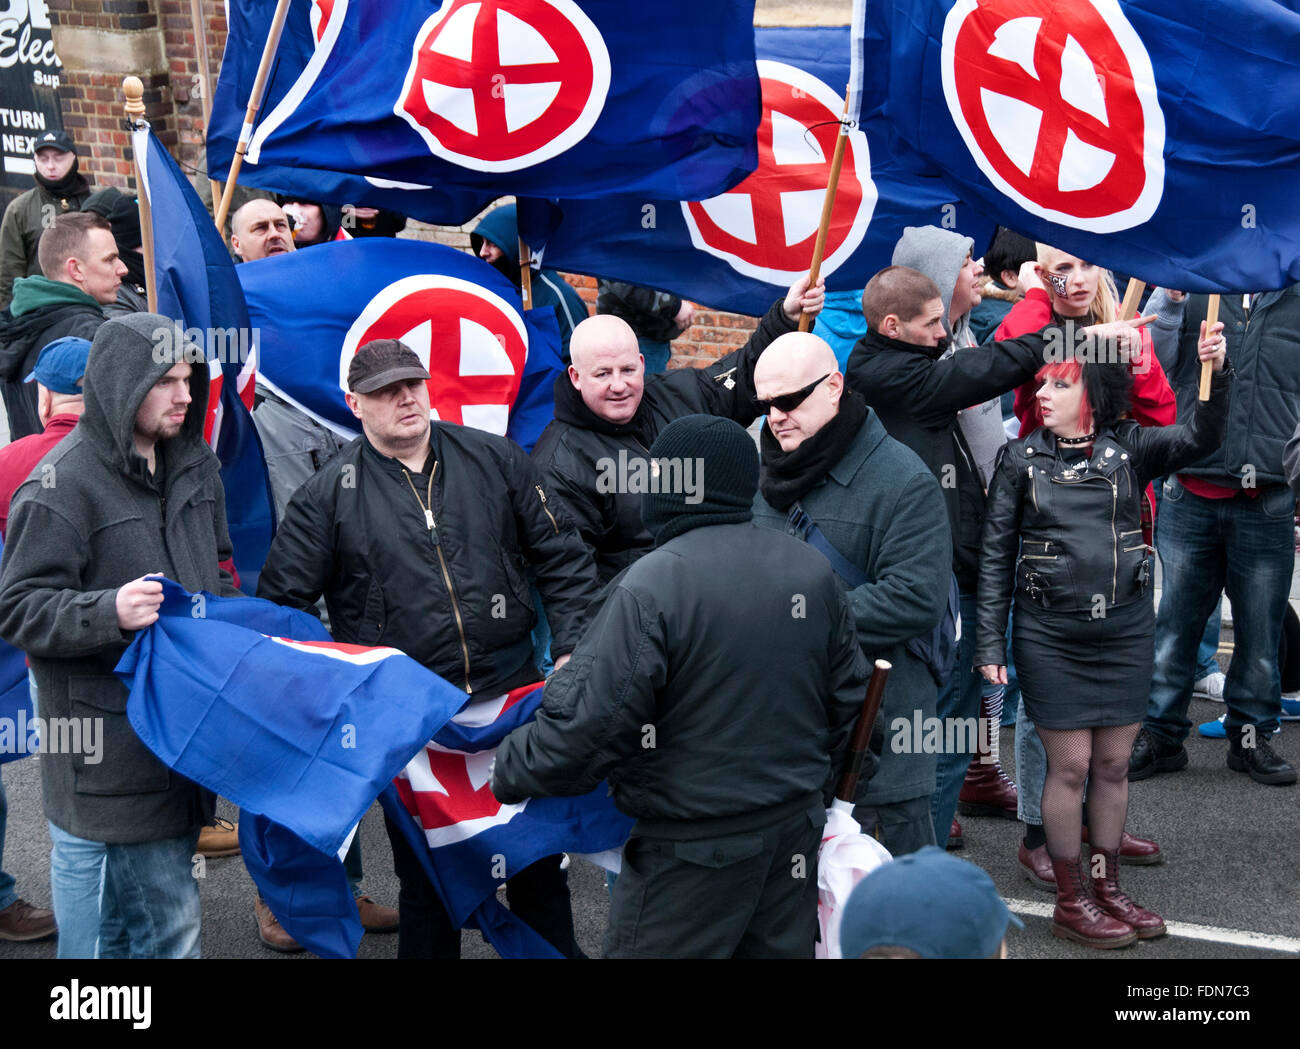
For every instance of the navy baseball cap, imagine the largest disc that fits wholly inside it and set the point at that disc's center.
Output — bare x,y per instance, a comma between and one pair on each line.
929,902
62,365
53,140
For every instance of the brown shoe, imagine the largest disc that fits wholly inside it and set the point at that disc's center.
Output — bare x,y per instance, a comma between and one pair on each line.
1078,917
1105,889
375,918
1140,852
20,922
1037,866
219,838
986,791
271,932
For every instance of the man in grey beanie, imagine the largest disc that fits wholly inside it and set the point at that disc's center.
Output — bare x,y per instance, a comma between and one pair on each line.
718,723
132,493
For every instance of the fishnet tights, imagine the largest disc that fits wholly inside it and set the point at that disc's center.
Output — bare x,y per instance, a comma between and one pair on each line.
1097,757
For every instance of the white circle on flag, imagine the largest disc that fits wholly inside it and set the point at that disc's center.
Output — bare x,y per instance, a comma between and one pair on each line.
1058,106
499,85
766,226
472,341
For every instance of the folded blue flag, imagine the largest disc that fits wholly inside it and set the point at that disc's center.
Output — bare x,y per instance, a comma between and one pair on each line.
492,365
1160,138
435,109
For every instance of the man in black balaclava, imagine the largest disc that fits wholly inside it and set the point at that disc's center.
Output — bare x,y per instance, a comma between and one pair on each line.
60,188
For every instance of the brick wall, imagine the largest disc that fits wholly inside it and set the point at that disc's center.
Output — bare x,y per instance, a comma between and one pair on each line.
101,42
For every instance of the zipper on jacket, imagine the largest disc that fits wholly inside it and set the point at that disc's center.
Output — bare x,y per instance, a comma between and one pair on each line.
547,508
1114,539
432,526
1033,488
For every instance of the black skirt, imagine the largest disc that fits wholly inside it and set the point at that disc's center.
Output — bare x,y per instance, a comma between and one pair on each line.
1077,671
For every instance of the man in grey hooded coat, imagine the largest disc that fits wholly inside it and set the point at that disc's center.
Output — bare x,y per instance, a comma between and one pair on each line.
134,491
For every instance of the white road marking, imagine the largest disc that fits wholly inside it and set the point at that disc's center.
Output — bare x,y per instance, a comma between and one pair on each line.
1188,931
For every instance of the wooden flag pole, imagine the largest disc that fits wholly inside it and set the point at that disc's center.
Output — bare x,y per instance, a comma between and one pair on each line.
134,91
1207,369
828,205
525,275
205,80
1132,296
250,114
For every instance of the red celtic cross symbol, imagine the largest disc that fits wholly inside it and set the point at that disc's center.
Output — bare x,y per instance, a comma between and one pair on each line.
491,72
1117,133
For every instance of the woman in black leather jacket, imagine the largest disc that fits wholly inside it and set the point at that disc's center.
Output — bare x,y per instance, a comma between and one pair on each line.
1063,533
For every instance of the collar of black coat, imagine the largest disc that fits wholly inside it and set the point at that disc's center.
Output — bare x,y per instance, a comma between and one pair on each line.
572,409
396,466
874,342
1108,454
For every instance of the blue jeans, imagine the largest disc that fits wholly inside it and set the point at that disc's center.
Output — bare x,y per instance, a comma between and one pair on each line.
7,892
1031,768
1246,548
960,698
1206,663
119,901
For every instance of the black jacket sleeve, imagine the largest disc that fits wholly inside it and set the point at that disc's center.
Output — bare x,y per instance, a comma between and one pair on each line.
847,691
566,571
298,566
1160,450
594,708
725,387
1001,544
934,389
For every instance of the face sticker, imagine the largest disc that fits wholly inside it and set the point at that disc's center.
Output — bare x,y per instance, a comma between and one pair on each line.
1058,283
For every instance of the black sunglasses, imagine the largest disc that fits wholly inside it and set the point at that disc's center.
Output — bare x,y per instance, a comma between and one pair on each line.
788,402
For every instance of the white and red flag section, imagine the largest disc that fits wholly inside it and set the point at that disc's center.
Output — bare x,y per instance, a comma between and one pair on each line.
492,364
197,287
846,857
469,842
253,701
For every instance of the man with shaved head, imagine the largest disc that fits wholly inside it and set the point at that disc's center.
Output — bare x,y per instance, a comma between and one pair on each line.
608,412
259,230
833,477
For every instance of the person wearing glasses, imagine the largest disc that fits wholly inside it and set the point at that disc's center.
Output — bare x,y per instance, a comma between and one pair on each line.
608,412
833,477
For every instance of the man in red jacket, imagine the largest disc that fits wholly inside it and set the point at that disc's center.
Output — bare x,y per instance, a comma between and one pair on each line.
58,373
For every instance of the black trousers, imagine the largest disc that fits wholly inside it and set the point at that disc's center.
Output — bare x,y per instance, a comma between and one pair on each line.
538,894
750,895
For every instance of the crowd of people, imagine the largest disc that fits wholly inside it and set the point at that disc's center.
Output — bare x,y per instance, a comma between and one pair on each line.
967,489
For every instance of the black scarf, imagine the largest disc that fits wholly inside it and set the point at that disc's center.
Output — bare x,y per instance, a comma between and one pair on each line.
73,184
789,476
572,409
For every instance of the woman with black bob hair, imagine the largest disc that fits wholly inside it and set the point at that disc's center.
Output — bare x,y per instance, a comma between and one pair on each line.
1063,534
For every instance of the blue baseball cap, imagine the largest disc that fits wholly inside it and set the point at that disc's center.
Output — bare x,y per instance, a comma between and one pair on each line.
929,902
62,365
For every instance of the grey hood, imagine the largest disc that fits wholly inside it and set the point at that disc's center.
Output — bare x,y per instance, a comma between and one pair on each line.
128,355
940,255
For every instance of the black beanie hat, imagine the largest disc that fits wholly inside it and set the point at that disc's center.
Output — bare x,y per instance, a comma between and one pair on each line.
710,466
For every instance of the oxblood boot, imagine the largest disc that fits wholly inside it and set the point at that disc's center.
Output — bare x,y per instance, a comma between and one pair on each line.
987,790
1077,916
1147,924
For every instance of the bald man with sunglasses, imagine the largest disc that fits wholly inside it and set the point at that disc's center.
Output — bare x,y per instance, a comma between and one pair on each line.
833,477
608,412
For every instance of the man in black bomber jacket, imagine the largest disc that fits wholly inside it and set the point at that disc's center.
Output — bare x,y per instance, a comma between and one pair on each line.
417,535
